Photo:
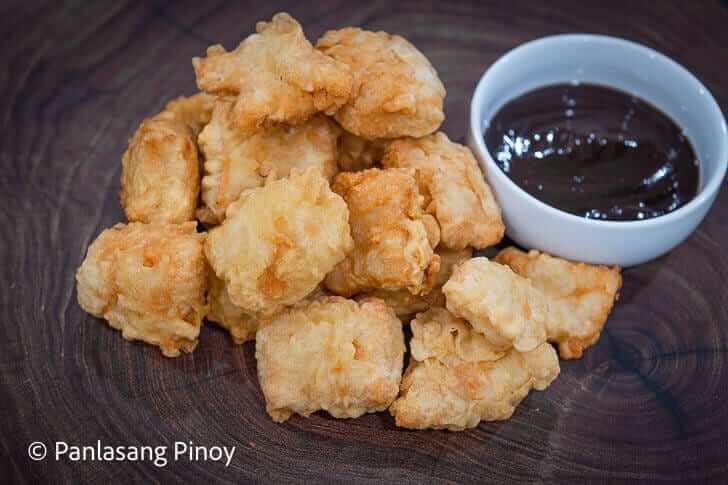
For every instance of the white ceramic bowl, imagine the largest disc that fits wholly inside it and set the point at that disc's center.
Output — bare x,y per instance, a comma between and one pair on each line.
627,66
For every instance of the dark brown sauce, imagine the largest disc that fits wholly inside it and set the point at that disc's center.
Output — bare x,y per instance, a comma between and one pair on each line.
595,152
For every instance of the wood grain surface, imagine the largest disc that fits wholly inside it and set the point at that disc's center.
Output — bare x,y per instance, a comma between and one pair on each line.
648,402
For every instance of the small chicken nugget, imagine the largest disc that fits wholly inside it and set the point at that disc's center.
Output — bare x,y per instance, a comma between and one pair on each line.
330,354
278,241
456,378
580,296
160,179
235,162
497,302
454,187
240,324
149,281
276,75
396,90
357,153
439,334
195,110
393,237
405,303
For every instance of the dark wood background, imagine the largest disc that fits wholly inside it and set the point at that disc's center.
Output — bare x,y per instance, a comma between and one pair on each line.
649,402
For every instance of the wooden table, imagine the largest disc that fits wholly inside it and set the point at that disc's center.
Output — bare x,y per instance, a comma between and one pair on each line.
649,401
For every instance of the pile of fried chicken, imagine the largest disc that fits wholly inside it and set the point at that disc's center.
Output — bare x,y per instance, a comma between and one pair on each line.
333,213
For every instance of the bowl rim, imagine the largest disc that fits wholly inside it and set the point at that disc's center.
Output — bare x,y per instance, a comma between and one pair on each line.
704,196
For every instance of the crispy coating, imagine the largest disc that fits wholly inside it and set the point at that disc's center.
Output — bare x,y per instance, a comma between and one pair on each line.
235,162
240,324
439,334
160,179
580,296
195,111
405,303
456,378
278,241
497,302
396,90
454,187
357,153
330,354
393,237
149,281
276,75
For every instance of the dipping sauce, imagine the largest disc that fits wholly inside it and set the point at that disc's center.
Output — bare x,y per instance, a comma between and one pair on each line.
594,152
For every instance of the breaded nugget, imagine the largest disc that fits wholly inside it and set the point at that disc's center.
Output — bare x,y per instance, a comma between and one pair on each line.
149,281
580,296
195,110
330,354
405,303
439,334
456,378
503,306
235,162
240,324
276,76
396,90
393,237
357,153
160,178
455,191
278,241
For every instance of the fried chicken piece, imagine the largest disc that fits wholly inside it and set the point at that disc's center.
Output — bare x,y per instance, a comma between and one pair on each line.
454,187
393,237
439,334
580,296
396,90
456,378
357,153
276,75
195,111
149,281
240,324
405,303
278,241
160,178
330,354
235,162
498,303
